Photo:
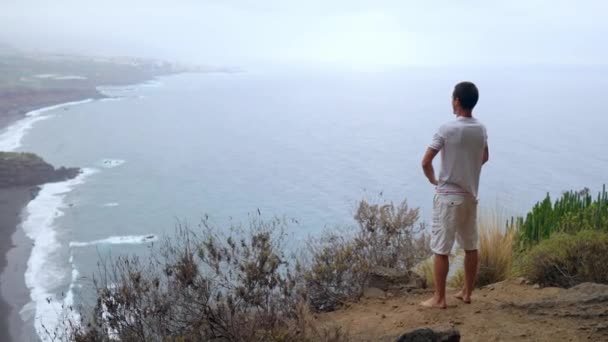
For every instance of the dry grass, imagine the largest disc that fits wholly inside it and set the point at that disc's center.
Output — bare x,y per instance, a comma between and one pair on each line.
495,250
425,269
456,281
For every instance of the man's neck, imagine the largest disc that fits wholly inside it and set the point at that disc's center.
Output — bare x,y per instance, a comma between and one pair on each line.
464,114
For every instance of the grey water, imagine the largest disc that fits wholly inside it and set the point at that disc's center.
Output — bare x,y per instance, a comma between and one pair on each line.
306,145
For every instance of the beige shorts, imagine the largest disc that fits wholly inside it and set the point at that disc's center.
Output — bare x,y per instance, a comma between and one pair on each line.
454,219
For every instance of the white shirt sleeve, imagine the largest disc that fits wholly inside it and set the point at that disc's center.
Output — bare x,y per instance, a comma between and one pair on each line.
438,141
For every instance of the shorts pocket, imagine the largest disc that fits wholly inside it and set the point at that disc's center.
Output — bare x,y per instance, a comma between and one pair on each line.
451,200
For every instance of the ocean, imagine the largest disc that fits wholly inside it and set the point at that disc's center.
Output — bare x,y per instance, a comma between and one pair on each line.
301,144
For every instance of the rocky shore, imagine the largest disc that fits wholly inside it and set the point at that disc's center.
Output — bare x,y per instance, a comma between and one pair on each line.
28,169
21,174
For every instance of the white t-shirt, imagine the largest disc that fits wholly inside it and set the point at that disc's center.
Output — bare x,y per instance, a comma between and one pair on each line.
461,143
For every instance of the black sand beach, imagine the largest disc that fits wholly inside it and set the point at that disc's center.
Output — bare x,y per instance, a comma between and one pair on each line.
14,253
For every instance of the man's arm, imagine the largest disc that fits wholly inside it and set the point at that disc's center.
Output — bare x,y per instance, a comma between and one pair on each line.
486,155
427,165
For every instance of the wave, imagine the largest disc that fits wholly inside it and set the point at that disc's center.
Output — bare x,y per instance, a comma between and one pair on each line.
11,138
118,240
70,77
111,99
151,84
60,77
111,163
45,272
110,204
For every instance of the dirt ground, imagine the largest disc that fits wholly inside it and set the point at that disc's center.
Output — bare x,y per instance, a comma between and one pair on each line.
507,311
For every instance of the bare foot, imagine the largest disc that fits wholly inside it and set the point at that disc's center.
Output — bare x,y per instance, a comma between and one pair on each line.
463,297
434,303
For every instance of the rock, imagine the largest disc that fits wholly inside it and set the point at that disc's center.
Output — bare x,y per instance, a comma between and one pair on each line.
601,327
536,286
27,169
372,292
385,278
586,301
430,335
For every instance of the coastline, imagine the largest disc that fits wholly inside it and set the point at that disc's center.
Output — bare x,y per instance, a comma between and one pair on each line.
16,247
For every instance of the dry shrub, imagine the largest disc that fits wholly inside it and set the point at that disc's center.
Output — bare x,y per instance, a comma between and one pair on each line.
388,235
339,263
238,287
336,273
565,260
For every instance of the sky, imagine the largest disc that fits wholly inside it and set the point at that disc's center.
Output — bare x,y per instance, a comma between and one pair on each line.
316,32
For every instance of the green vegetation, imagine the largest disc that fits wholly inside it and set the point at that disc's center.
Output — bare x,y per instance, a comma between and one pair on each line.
573,212
566,242
566,260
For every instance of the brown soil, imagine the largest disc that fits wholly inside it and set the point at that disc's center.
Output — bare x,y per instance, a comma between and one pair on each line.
507,311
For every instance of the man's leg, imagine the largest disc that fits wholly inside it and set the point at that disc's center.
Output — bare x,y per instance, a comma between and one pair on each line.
470,274
441,269
467,237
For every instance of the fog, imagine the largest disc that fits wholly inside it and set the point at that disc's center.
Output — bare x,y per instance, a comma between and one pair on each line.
316,32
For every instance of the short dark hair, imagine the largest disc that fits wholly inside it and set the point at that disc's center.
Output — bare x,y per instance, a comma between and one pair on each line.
467,94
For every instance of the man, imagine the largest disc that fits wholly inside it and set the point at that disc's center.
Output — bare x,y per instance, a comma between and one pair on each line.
464,149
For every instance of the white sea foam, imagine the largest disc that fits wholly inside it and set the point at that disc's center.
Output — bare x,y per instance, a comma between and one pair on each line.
12,136
68,301
151,84
60,77
110,204
46,76
69,77
118,240
111,163
44,272
111,98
